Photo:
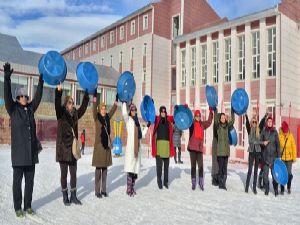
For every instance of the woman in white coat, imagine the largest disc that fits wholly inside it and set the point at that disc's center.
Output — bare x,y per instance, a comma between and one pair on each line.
133,151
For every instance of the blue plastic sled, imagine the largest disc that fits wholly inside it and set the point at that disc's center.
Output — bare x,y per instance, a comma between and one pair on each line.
148,109
183,117
211,96
240,101
233,137
280,172
126,86
87,76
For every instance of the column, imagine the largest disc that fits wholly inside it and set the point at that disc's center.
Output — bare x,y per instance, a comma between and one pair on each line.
187,72
198,72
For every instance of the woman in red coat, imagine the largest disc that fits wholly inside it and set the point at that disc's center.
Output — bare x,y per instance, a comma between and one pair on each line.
195,146
162,145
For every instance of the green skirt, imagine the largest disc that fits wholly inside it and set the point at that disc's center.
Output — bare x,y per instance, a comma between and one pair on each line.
163,148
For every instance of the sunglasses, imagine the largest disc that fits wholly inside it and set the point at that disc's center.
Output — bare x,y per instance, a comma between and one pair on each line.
23,96
254,122
163,111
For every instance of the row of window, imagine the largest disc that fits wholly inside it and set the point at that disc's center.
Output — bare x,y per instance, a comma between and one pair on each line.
255,54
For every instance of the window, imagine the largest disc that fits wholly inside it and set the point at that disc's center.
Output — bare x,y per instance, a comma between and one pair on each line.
193,66
86,51
132,27
121,32
131,53
144,75
145,49
227,60
272,52
145,22
94,45
110,96
272,111
255,55
241,57
80,51
102,41
112,37
49,91
215,62
176,26
121,57
111,61
183,74
203,64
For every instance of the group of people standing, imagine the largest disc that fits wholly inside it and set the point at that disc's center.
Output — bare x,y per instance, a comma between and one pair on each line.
264,144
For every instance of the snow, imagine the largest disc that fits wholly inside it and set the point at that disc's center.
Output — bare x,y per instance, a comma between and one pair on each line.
177,205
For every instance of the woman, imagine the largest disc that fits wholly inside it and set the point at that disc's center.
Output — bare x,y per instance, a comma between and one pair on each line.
254,150
177,133
223,148
162,145
82,137
195,146
270,152
288,152
24,143
67,117
102,151
133,151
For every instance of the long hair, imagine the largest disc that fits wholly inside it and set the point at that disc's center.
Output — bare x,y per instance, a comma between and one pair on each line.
67,98
257,130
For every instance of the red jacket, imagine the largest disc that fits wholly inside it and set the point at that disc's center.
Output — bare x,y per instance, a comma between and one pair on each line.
82,138
170,119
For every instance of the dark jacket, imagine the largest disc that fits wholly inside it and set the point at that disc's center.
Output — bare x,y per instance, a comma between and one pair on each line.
177,133
272,150
65,124
222,130
24,150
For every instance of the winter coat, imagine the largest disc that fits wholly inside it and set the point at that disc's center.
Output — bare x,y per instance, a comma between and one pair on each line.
204,125
272,150
65,123
177,133
290,151
24,151
101,156
254,142
132,164
170,120
223,148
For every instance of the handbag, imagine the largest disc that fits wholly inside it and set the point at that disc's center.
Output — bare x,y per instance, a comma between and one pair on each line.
194,144
75,147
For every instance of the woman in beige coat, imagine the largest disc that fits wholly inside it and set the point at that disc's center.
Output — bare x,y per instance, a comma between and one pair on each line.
102,146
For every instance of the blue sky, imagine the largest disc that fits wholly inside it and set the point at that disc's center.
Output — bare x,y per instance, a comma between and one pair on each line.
41,25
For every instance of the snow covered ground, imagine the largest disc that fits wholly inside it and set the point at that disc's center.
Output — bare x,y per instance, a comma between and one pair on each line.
178,205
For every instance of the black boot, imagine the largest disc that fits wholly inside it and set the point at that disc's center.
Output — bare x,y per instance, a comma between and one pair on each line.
74,198
222,182
289,184
266,189
260,180
254,189
215,181
275,186
179,157
281,189
65,197
175,157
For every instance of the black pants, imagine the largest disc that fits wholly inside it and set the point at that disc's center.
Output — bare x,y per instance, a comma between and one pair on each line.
222,163
267,168
100,179
253,157
82,148
288,165
64,174
18,173
196,158
160,163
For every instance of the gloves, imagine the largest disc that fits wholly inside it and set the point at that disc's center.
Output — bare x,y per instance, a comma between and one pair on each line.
117,97
152,100
148,124
186,105
86,92
95,93
7,71
210,109
176,107
41,78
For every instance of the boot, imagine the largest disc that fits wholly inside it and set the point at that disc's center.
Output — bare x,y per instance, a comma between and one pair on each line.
222,182
260,180
132,186
175,157
74,198
104,194
266,186
193,184
98,195
281,189
129,185
215,181
20,213
289,184
179,157
201,183
65,197
254,189
275,186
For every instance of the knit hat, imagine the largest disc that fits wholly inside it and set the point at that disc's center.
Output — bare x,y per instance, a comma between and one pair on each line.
20,91
285,127
270,118
197,113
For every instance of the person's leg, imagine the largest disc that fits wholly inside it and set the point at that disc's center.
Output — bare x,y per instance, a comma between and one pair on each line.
159,171
250,165
29,182
225,171
257,160
97,182
104,178
289,168
220,175
166,172
214,165
179,156
175,155
275,185
73,181
266,178
200,168
193,169
134,178
63,181
17,187
83,143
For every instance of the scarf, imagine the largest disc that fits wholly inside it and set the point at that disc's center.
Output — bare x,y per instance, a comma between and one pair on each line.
137,135
104,121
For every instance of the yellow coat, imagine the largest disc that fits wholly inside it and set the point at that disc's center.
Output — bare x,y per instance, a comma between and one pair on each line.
290,152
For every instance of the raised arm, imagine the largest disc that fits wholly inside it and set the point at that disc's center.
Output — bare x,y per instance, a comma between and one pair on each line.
58,107
84,105
124,112
144,131
38,94
247,124
9,102
231,122
277,145
262,122
216,118
114,108
208,122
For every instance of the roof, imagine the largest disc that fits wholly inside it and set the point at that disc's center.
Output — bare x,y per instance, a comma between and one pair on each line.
235,22
12,51
113,25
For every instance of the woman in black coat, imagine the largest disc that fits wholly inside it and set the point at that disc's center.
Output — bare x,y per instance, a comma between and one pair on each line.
67,117
24,151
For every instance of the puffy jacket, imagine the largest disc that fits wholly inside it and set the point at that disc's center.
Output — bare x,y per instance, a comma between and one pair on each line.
290,151
272,150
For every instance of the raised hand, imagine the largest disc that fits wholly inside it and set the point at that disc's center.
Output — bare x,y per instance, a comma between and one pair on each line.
59,87
7,71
